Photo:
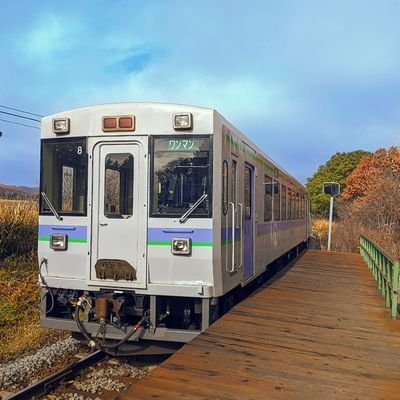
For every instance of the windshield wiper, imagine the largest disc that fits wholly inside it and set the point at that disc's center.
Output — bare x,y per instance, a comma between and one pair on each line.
52,209
191,209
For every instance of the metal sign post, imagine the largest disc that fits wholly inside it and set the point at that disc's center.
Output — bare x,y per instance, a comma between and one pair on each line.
330,224
331,189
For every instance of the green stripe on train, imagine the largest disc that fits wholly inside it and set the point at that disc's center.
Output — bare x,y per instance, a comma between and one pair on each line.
47,239
256,157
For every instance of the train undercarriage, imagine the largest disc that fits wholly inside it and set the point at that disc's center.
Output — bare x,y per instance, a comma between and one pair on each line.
125,323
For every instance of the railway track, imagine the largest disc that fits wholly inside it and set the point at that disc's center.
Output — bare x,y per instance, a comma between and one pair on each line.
48,384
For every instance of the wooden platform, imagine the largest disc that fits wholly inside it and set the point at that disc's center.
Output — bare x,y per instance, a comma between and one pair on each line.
319,330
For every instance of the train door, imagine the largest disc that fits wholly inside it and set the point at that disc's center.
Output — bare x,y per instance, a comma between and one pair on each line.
119,223
248,226
237,223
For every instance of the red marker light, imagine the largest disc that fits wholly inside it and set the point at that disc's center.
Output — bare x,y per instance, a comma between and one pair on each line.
125,123
119,123
109,123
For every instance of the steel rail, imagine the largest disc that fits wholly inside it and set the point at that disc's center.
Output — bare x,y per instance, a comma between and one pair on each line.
49,383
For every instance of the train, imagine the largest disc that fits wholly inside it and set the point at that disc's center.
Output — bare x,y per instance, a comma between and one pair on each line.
153,217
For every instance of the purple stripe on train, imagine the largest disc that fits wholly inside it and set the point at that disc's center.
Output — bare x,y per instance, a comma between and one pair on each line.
265,228
226,234
164,234
73,231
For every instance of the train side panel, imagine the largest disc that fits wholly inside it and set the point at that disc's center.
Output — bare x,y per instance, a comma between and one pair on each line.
274,232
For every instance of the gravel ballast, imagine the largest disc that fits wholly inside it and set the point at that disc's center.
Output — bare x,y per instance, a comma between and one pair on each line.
23,371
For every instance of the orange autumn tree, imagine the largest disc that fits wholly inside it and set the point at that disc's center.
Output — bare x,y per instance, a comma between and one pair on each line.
371,172
371,199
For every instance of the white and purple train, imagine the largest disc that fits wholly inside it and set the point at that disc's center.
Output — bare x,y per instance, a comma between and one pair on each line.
152,217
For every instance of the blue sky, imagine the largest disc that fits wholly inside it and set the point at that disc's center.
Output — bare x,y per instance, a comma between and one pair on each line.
302,79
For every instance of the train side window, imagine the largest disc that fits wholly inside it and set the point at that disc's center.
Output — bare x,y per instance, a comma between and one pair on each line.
118,187
289,207
283,202
297,205
268,198
225,187
293,204
277,201
301,206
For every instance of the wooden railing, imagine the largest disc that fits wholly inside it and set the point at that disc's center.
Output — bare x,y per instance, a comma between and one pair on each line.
385,270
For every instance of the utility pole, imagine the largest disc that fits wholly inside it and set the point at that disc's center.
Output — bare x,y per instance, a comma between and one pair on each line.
332,189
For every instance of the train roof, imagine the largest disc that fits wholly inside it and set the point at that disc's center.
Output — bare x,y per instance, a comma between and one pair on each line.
84,124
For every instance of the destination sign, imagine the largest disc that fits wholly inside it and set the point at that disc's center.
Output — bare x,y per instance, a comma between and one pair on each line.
182,144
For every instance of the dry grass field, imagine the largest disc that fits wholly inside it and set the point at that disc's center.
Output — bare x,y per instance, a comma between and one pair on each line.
18,227
346,236
19,288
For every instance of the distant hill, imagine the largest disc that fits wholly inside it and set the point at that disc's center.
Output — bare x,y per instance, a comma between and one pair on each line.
18,192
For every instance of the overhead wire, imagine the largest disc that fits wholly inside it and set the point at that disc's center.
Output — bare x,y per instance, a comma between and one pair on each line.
17,109
19,116
18,123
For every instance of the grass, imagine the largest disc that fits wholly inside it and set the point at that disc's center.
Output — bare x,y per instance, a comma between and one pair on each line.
18,227
19,289
320,232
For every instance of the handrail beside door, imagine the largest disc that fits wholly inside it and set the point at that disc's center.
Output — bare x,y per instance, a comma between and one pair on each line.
240,205
232,269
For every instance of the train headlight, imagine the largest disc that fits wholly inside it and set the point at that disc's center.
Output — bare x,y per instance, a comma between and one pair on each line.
183,121
58,242
61,125
181,246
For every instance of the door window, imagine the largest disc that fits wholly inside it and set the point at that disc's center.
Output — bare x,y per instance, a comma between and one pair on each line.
225,187
233,182
247,193
118,187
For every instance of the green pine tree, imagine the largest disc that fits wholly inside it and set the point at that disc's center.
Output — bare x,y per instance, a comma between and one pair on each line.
336,169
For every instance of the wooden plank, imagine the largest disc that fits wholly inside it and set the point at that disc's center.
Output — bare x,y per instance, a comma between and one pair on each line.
319,329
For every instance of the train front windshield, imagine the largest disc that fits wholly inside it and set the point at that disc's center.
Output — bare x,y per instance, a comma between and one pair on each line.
63,183
181,176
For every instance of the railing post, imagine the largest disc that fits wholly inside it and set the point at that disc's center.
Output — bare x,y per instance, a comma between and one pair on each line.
395,287
382,273
388,275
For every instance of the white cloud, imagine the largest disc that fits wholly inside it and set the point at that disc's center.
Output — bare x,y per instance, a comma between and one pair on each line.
51,34
239,98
